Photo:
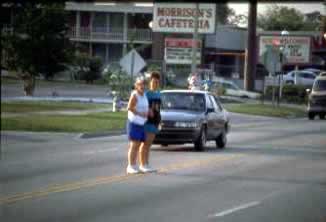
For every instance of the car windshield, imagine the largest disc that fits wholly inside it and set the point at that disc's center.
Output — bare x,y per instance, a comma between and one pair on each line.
183,101
320,85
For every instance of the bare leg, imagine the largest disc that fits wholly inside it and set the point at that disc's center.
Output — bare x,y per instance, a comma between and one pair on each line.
145,149
133,151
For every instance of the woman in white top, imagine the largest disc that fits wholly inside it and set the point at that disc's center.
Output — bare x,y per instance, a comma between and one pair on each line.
137,117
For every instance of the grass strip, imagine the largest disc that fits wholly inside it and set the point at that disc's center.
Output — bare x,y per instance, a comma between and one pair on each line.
266,110
90,123
38,106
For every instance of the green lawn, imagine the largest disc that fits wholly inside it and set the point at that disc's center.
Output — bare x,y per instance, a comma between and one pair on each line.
104,121
7,81
31,106
15,80
266,110
97,122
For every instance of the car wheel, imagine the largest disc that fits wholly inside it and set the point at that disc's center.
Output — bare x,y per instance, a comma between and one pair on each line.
311,116
322,116
201,141
221,140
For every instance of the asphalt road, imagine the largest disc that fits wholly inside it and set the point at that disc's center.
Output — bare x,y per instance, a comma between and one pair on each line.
272,170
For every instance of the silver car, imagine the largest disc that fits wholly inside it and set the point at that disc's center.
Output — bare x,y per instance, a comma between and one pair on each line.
192,117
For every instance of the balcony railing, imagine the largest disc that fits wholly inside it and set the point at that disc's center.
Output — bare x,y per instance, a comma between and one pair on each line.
106,34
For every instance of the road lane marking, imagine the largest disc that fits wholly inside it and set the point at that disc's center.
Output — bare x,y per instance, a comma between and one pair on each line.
92,152
235,209
110,179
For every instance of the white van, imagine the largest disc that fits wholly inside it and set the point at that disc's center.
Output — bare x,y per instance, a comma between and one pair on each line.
317,99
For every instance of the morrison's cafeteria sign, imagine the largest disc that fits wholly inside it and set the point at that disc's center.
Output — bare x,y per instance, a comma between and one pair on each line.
174,17
297,49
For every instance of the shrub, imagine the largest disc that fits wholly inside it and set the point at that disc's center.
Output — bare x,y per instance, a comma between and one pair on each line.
119,81
290,93
87,68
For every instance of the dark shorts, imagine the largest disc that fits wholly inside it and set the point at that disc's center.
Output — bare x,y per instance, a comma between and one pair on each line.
136,132
151,128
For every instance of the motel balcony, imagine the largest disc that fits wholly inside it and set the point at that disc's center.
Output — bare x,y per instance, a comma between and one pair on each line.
103,34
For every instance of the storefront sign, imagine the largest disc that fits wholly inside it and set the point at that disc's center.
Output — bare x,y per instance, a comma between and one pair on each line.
179,51
296,49
174,17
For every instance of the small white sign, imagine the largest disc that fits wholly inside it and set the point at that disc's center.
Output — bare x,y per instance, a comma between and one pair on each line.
132,63
179,51
180,17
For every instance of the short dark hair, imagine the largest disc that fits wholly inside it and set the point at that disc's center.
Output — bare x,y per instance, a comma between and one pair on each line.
155,75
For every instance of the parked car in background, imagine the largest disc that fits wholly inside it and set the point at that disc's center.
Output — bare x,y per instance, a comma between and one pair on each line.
192,116
305,78
315,71
232,89
317,98
322,74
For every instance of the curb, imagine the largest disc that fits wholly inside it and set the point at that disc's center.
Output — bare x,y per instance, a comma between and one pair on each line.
102,134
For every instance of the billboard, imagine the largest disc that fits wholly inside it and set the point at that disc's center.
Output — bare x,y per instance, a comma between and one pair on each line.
296,49
179,18
179,51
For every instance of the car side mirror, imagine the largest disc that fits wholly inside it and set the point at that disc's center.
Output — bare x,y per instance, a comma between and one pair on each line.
210,110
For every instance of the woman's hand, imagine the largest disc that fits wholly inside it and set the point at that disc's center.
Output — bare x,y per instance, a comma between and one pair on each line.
143,114
150,113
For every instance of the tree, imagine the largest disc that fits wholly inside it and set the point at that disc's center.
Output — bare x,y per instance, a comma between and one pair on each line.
282,17
39,42
222,13
236,19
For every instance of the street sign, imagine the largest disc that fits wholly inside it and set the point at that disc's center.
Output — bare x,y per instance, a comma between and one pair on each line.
132,63
180,18
179,51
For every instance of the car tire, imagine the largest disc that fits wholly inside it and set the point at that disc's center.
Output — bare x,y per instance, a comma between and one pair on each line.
221,140
322,116
164,144
201,141
311,116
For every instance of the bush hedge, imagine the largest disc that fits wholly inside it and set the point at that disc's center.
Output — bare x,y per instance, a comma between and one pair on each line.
290,93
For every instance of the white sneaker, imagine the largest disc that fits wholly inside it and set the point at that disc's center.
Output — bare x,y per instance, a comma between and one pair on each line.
132,169
146,169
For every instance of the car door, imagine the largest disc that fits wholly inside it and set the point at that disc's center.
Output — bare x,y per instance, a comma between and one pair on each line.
220,118
215,116
309,78
210,117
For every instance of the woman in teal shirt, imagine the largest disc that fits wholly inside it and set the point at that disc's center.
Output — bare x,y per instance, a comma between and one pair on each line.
153,120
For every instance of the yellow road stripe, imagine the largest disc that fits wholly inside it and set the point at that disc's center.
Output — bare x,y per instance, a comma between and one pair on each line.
106,180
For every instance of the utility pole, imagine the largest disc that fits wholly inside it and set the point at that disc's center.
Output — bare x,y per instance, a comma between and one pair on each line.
194,41
250,67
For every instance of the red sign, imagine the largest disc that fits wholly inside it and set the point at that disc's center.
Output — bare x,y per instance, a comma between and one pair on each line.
180,43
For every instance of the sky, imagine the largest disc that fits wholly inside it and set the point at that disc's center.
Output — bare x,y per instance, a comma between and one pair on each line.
306,7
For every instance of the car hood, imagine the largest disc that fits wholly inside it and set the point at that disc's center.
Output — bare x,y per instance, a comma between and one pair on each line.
176,115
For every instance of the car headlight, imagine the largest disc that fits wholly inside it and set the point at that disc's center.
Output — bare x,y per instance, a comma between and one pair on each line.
186,124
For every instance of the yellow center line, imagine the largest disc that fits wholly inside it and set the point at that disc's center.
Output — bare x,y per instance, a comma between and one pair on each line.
107,180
